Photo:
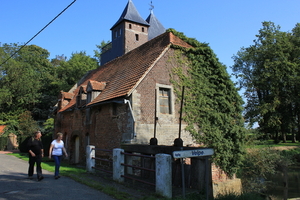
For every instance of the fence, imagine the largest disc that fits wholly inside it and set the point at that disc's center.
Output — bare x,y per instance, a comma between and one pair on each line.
163,168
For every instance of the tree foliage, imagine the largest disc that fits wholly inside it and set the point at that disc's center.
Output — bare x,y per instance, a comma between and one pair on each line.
72,70
30,83
268,70
212,105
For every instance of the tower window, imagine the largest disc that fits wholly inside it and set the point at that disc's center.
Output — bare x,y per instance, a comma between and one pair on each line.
143,29
116,34
137,37
130,26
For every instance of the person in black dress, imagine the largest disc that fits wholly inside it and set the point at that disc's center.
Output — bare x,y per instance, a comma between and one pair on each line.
36,153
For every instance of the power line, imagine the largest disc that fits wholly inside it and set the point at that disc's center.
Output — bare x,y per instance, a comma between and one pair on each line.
38,32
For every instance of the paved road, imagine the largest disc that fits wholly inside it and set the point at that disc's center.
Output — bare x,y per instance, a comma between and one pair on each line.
14,184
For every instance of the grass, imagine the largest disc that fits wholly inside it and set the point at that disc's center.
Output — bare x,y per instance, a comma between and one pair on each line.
270,143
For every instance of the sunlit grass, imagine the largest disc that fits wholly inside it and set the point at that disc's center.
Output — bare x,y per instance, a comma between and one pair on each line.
271,143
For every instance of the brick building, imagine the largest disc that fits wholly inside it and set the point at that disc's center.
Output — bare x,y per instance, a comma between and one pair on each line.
129,98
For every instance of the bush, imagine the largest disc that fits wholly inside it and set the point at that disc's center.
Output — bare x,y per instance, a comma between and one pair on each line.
3,143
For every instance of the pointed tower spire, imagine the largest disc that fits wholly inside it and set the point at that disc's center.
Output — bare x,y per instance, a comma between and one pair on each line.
129,32
156,28
130,14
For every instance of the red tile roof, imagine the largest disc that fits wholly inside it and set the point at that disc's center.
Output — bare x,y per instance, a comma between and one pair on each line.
124,73
67,95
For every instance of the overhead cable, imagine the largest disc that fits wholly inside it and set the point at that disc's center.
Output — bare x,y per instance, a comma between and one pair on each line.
38,33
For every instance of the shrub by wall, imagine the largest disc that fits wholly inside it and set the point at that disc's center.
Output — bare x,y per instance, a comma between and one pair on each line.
3,143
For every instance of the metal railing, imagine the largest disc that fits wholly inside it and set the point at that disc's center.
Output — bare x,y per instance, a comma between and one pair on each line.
138,167
109,161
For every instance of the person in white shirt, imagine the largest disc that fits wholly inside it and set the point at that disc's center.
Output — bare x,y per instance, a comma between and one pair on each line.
56,151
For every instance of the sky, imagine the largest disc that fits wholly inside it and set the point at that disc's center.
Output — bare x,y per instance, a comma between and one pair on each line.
225,25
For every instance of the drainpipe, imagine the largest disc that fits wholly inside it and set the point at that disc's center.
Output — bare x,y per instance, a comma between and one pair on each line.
131,111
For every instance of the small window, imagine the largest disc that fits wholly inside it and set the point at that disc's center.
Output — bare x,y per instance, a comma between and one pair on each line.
120,32
136,37
143,29
165,100
78,100
115,109
116,34
89,97
129,26
88,116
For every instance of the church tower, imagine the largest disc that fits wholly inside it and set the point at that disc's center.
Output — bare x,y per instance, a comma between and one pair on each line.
130,32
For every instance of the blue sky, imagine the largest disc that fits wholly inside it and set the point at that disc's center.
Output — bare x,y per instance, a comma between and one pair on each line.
225,25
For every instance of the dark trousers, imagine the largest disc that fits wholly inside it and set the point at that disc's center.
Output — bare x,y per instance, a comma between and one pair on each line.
35,160
57,160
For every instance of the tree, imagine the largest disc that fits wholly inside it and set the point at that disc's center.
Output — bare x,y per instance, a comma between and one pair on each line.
25,83
269,73
212,106
70,71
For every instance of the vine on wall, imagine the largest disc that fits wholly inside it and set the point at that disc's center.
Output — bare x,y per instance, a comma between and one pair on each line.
212,106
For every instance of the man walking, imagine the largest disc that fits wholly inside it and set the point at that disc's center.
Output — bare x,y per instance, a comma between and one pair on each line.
36,153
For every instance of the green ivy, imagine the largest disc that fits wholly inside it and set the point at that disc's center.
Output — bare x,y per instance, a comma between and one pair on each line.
212,106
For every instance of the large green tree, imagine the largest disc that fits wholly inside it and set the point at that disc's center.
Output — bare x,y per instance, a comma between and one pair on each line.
268,70
30,83
23,77
212,105
70,71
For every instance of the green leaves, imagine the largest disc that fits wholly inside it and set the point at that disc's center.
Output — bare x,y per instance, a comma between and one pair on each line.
212,107
29,83
269,73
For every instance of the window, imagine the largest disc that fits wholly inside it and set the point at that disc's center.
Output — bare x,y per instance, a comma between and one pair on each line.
115,109
88,116
116,34
129,26
89,97
137,37
143,29
165,100
78,100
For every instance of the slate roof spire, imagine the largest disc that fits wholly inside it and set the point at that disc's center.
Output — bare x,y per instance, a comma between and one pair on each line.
130,13
156,28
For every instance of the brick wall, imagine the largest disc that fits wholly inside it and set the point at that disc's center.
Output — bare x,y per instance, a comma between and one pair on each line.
131,41
167,129
105,130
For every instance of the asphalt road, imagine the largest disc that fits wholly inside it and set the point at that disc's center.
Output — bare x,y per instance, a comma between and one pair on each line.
15,185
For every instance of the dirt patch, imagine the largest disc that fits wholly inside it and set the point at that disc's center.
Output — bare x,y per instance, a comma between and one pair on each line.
285,148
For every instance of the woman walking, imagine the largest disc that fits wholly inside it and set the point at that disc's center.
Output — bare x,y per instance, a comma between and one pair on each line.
56,150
